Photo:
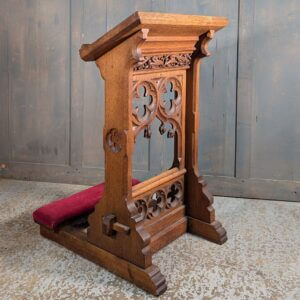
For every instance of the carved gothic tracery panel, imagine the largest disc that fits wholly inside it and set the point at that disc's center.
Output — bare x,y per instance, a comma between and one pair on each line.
157,98
170,97
144,105
152,205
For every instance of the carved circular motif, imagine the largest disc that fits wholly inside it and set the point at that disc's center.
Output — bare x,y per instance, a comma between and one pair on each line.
153,204
156,203
113,140
175,194
141,206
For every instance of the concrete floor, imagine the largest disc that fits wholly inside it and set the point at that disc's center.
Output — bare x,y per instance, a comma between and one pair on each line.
260,260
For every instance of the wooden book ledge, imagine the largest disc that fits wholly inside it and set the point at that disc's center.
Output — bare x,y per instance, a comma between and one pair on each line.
142,57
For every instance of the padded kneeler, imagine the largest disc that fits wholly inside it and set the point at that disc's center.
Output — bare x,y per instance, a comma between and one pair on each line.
58,211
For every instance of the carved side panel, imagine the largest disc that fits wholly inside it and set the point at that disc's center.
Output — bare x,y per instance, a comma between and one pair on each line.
159,201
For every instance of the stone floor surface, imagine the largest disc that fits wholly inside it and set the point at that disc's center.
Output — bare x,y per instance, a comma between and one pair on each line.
260,260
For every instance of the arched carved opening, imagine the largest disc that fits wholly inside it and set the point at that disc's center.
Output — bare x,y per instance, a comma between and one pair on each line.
156,119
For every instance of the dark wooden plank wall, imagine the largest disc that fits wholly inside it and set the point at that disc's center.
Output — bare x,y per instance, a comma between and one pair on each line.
51,105
268,106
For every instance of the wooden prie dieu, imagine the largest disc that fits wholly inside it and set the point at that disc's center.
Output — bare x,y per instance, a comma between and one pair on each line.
144,56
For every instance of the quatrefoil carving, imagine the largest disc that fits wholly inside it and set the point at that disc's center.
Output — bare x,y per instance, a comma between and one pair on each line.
156,203
161,98
144,103
170,93
175,194
167,197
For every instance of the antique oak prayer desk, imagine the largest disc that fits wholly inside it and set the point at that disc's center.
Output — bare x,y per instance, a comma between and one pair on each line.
143,57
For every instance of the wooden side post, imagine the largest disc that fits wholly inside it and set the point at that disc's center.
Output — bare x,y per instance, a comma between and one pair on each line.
117,205
200,212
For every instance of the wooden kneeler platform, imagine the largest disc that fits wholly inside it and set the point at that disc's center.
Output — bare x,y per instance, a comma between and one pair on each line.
150,63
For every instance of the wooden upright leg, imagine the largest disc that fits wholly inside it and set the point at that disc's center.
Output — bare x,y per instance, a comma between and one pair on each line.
117,207
200,212
116,230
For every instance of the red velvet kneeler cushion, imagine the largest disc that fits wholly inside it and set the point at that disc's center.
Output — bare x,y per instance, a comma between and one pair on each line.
58,211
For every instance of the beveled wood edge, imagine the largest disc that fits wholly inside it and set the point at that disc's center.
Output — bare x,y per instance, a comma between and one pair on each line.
149,279
139,20
91,52
148,74
156,181
180,20
153,179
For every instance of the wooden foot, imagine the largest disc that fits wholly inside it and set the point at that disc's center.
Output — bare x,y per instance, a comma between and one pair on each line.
149,279
200,211
213,232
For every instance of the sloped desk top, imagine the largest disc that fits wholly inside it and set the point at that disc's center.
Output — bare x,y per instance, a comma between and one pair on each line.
159,24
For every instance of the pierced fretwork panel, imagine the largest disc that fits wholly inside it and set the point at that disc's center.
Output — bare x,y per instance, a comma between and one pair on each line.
163,199
170,93
160,99
144,106
143,103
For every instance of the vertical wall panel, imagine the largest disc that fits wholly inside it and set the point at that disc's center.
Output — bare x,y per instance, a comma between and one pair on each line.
218,95
267,128
92,24
245,88
4,87
268,122
77,83
38,66
276,133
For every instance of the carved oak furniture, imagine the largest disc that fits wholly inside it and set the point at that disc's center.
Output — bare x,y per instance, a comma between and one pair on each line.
144,56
